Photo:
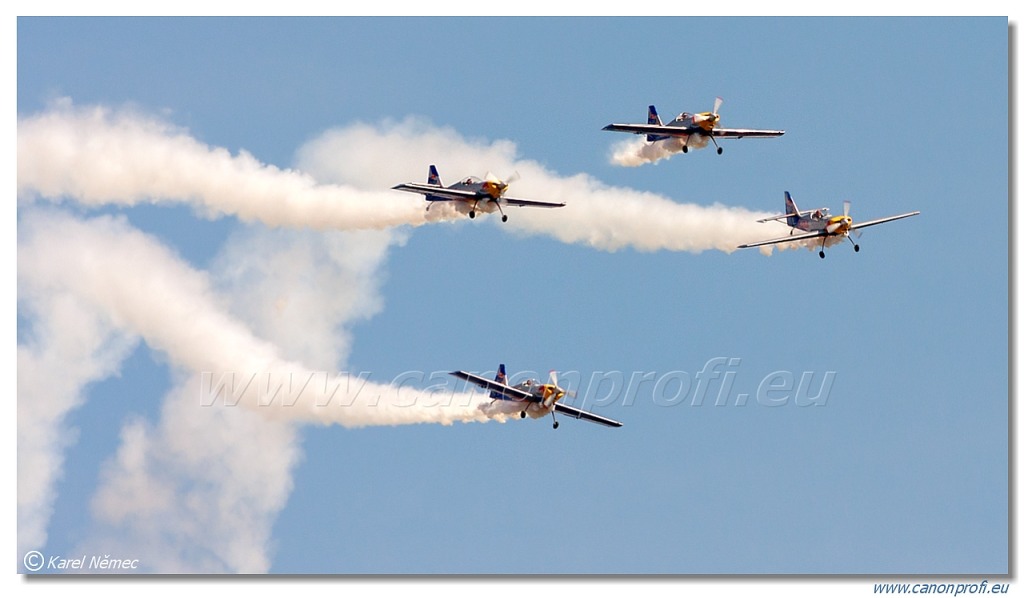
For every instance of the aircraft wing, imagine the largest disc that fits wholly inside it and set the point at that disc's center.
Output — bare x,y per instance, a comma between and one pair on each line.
867,223
811,235
531,203
465,194
653,130
741,133
508,393
590,417
438,191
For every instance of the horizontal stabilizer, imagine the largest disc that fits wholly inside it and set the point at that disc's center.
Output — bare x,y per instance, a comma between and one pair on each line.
781,216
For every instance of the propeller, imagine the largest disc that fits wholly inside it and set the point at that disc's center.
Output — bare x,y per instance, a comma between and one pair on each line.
843,223
553,380
846,213
712,121
499,185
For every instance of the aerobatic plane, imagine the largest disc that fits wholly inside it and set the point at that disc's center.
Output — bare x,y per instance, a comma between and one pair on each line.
692,129
537,399
472,194
818,223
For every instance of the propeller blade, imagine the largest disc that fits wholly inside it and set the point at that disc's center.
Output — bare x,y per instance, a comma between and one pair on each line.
512,178
846,208
490,178
718,104
553,377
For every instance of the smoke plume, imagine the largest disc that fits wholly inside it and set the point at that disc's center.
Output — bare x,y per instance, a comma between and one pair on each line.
97,156
193,492
257,343
637,152
597,215
138,286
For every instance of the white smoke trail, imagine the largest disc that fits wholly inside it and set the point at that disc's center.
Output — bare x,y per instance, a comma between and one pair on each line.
301,289
68,345
96,156
118,284
140,287
195,493
597,215
637,152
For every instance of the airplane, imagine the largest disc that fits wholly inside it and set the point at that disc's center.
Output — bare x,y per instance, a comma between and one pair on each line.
818,223
539,399
473,194
686,126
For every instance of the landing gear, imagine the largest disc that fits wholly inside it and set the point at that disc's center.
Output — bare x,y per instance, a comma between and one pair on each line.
522,415
716,145
821,254
472,214
554,425
504,218
856,247
685,149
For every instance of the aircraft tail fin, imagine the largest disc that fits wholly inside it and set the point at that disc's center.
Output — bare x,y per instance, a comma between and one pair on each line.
654,119
433,178
501,378
652,116
792,209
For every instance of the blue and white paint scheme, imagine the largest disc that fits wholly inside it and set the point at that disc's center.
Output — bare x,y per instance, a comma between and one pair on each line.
818,223
693,129
538,399
472,194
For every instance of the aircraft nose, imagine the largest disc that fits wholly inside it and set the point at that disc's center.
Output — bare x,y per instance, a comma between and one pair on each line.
498,189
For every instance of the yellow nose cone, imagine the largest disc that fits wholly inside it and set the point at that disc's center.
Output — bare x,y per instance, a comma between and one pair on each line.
494,189
708,121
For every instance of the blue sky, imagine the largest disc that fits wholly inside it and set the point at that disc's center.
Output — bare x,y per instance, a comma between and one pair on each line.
901,470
